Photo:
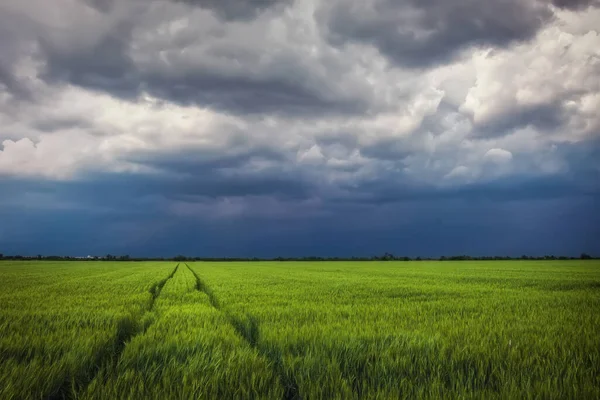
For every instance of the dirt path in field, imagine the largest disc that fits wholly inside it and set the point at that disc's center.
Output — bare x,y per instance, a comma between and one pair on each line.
248,329
127,329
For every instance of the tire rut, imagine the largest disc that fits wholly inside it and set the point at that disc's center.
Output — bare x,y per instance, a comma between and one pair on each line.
248,329
127,329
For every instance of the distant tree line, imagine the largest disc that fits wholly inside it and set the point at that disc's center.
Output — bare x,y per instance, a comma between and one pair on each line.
384,257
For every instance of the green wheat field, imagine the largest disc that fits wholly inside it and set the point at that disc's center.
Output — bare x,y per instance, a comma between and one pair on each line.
300,330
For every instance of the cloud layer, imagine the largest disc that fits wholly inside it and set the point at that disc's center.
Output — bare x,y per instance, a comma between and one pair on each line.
277,110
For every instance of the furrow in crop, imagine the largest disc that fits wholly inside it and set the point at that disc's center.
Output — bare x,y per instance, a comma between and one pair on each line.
127,329
202,287
157,287
248,328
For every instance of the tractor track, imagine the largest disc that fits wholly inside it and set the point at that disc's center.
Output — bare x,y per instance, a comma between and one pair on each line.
248,329
127,329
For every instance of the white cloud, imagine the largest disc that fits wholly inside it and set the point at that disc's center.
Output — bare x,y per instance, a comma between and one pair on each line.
498,156
558,69
50,157
458,172
311,156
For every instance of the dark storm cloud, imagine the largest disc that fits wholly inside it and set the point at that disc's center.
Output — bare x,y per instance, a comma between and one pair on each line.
10,49
97,52
583,159
421,33
434,226
580,178
546,117
230,177
57,124
101,5
245,95
575,4
188,163
131,214
105,65
12,84
413,33
385,191
236,9
239,154
184,180
218,184
226,9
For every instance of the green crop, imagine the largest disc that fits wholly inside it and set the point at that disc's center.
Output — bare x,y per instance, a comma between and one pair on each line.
190,351
374,330
59,321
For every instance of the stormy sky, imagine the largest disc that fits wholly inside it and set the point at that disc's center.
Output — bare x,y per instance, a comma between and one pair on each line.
299,127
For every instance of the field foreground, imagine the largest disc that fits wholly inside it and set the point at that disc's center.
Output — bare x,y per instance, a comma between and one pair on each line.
149,330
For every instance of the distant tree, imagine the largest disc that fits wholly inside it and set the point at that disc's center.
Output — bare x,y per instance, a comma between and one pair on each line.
583,256
1,256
